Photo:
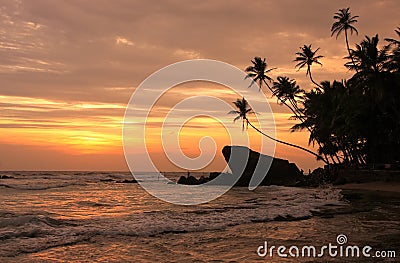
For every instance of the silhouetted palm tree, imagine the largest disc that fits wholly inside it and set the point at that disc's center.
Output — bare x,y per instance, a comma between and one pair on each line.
283,88
344,23
320,109
243,108
287,90
307,57
258,72
394,41
367,57
393,63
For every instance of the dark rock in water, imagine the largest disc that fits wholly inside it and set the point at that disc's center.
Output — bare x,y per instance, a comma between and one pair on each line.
107,180
203,180
249,164
290,218
6,177
126,181
223,179
190,180
182,180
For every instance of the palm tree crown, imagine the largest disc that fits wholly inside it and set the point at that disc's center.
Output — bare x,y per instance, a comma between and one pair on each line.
392,40
344,22
306,58
287,89
243,108
367,57
258,72
393,63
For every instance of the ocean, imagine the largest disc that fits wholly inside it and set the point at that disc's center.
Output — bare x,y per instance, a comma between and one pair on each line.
96,217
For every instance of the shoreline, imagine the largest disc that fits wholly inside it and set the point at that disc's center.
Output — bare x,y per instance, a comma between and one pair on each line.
392,187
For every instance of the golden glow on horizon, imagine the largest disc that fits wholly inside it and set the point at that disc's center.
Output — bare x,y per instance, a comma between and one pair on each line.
98,133
197,127
58,128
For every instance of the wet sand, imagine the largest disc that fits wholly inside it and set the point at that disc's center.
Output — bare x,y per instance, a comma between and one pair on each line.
393,187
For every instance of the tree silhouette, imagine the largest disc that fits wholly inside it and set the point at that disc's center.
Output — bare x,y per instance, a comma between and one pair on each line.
286,89
344,23
258,72
355,121
307,57
367,57
243,109
393,63
392,40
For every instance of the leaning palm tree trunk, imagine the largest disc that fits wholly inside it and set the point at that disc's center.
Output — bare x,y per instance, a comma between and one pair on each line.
286,143
297,113
313,81
348,50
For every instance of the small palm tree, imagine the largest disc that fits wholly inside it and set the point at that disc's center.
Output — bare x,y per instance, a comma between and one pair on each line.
307,57
287,90
392,40
258,72
243,109
344,22
393,63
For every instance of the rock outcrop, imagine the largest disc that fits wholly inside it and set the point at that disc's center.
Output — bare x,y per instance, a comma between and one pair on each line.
247,164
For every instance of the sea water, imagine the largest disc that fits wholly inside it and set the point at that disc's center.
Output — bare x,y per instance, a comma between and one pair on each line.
45,212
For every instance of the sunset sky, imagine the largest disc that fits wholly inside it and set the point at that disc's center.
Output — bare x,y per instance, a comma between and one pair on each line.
68,69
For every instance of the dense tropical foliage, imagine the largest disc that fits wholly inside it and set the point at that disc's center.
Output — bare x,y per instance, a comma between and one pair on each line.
354,121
